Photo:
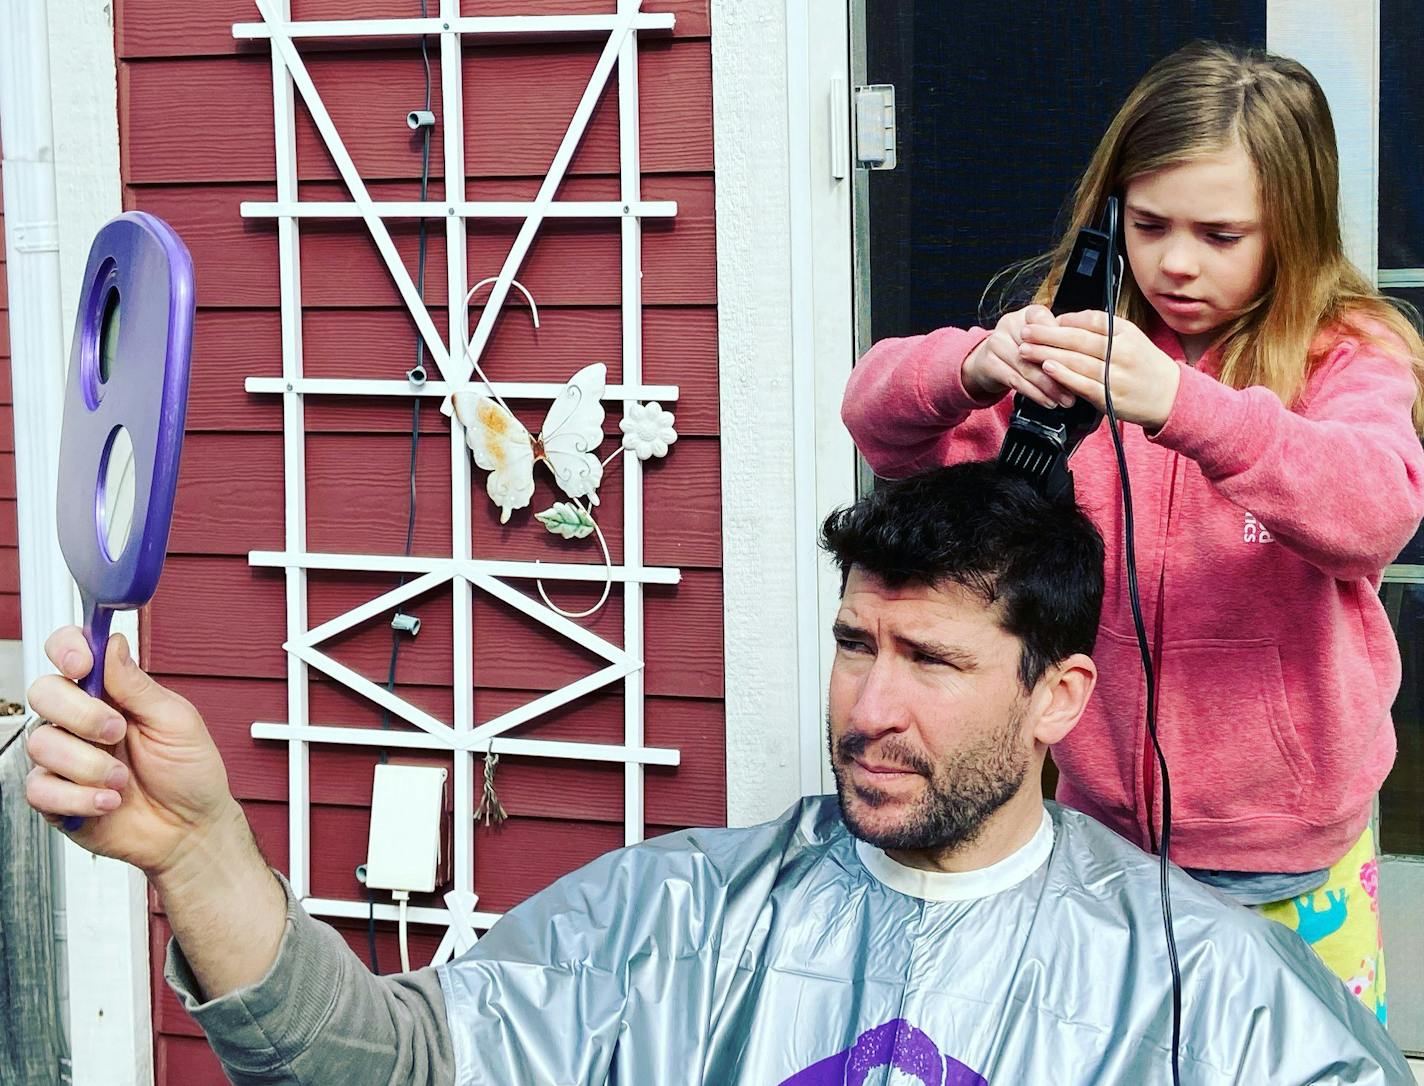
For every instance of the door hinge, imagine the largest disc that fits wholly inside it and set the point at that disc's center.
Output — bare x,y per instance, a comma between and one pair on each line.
875,126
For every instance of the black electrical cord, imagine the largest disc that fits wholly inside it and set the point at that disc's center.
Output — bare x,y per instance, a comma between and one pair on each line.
1136,600
397,635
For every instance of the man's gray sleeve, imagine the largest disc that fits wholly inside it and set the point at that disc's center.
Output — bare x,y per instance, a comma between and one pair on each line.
319,1016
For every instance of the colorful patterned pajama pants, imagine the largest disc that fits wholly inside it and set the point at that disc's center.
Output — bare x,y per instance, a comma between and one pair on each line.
1341,922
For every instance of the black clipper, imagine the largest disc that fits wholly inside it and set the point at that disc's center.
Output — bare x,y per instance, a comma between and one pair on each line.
1041,439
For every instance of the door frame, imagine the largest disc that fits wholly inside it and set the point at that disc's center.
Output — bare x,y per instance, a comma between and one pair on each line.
1339,43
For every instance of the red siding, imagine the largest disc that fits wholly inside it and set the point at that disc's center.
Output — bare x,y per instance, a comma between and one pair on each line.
9,532
215,629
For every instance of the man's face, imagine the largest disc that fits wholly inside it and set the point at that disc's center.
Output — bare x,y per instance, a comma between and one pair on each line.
927,715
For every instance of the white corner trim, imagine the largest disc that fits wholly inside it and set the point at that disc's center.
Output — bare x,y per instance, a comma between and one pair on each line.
785,344
1339,43
111,1024
62,183
111,1021
84,103
754,352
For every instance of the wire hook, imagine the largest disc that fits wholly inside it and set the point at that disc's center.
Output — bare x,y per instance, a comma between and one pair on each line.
607,582
533,309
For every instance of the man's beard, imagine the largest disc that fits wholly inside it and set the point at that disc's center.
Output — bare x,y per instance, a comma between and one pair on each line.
960,795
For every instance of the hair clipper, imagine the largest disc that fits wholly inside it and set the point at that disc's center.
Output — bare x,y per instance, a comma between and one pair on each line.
1041,439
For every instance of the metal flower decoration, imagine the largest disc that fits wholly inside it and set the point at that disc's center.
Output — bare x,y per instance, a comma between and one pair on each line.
647,430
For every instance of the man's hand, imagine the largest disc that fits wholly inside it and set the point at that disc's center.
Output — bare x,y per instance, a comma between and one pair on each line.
998,365
147,778
144,773
1144,377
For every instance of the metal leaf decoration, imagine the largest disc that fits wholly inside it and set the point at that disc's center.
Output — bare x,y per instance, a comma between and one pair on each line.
567,520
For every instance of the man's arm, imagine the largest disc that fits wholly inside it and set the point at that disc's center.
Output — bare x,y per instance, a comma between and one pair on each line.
281,996
319,1016
219,885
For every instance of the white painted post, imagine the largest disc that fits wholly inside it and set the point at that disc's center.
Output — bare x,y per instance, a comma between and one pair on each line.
630,172
294,471
37,358
461,528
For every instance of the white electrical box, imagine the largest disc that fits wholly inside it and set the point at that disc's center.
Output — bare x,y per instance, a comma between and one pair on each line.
405,828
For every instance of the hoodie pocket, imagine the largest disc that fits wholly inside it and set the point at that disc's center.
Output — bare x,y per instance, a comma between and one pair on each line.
1226,730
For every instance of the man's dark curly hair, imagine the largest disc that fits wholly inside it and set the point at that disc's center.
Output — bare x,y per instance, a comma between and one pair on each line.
1038,564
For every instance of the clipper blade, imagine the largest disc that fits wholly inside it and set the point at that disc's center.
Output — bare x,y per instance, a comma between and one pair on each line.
1040,440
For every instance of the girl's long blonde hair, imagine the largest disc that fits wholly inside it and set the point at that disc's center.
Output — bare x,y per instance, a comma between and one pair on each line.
1197,101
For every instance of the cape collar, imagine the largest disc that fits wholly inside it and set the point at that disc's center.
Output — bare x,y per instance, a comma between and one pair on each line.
961,885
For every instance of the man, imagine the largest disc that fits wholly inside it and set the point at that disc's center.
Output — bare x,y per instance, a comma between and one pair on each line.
935,923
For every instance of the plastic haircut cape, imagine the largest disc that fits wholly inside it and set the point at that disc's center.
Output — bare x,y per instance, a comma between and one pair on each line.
792,954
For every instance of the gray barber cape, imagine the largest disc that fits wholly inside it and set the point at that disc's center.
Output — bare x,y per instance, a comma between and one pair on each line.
790,954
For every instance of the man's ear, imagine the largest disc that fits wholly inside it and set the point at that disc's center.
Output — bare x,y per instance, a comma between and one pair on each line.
1062,694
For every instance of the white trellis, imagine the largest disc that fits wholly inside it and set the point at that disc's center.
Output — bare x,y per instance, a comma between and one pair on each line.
462,737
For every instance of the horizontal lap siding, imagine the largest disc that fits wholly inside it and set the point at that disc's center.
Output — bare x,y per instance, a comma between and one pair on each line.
196,141
9,531
220,616
160,28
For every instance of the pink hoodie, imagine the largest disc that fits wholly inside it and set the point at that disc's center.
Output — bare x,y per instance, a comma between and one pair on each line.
1261,536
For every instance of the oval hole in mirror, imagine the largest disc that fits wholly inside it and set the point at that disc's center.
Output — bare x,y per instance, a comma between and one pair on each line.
108,335
115,499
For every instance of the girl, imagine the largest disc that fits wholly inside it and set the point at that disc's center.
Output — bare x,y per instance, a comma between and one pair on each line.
1271,398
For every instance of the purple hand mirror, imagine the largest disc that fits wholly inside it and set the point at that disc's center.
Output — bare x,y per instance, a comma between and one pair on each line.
123,421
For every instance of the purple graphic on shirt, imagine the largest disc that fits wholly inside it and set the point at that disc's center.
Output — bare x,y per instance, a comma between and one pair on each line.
897,1045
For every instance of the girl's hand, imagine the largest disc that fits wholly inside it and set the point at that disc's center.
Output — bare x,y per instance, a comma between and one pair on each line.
997,365
1144,377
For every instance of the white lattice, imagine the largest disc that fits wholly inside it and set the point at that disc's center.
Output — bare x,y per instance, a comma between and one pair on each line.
461,736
